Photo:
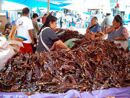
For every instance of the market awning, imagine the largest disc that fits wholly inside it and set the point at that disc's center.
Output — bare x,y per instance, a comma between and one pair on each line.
84,5
36,3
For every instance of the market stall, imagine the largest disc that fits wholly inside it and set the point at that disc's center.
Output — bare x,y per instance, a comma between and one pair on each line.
93,68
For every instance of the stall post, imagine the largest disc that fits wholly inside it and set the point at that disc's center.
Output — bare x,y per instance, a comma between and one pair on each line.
48,7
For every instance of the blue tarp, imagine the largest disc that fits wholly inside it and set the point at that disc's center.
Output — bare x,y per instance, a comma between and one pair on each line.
87,13
36,3
63,4
41,3
116,92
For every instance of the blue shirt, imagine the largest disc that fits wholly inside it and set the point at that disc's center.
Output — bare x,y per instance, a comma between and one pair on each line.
95,28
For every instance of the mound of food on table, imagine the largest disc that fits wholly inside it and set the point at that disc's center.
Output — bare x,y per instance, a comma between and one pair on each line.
66,34
91,65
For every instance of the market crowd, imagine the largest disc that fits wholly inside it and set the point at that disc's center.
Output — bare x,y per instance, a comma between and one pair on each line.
38,39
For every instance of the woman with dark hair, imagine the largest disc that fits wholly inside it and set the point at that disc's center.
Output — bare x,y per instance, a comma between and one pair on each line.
93,31
117,32
7,29
94,27
48,39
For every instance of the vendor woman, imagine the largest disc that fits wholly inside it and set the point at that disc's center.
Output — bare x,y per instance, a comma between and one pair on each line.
48,39
93,29
117,32
94,26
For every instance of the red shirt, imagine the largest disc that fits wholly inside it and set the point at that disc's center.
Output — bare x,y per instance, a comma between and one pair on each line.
43,19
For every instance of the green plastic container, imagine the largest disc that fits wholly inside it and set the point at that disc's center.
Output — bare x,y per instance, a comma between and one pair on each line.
70,42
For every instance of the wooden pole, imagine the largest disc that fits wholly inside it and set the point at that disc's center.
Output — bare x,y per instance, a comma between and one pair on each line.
1,2
48,7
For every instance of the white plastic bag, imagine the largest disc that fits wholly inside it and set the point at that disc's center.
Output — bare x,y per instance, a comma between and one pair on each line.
6,51
3,42
123,44
15,44
5,55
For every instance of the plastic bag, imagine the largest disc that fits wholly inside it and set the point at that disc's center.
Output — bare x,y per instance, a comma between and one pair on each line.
5,55
15,45
123,44
3,42
107,93
6,51
70,43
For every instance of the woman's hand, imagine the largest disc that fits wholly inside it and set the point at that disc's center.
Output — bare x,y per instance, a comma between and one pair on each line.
90,36
59,45
109,30
87,31
18,39
120,38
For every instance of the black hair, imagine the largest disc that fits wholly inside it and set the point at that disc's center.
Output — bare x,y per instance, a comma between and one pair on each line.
38,20
95,18
118,18
45,14
49,19
7,26
35,15
108,14
7,29
25,11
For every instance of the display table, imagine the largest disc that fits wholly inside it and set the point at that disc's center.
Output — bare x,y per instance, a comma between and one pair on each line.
117,93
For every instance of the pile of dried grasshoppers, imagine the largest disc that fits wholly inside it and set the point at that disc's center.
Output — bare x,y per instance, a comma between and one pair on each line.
91,65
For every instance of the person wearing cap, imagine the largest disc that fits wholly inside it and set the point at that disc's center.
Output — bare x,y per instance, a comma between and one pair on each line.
48,40
117,32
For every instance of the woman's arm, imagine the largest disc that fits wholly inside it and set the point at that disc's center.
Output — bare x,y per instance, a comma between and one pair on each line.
109,30
120,38
13,33
125,33
124,37
59,45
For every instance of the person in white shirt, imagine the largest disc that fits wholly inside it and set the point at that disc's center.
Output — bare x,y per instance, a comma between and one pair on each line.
24,29
107,22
